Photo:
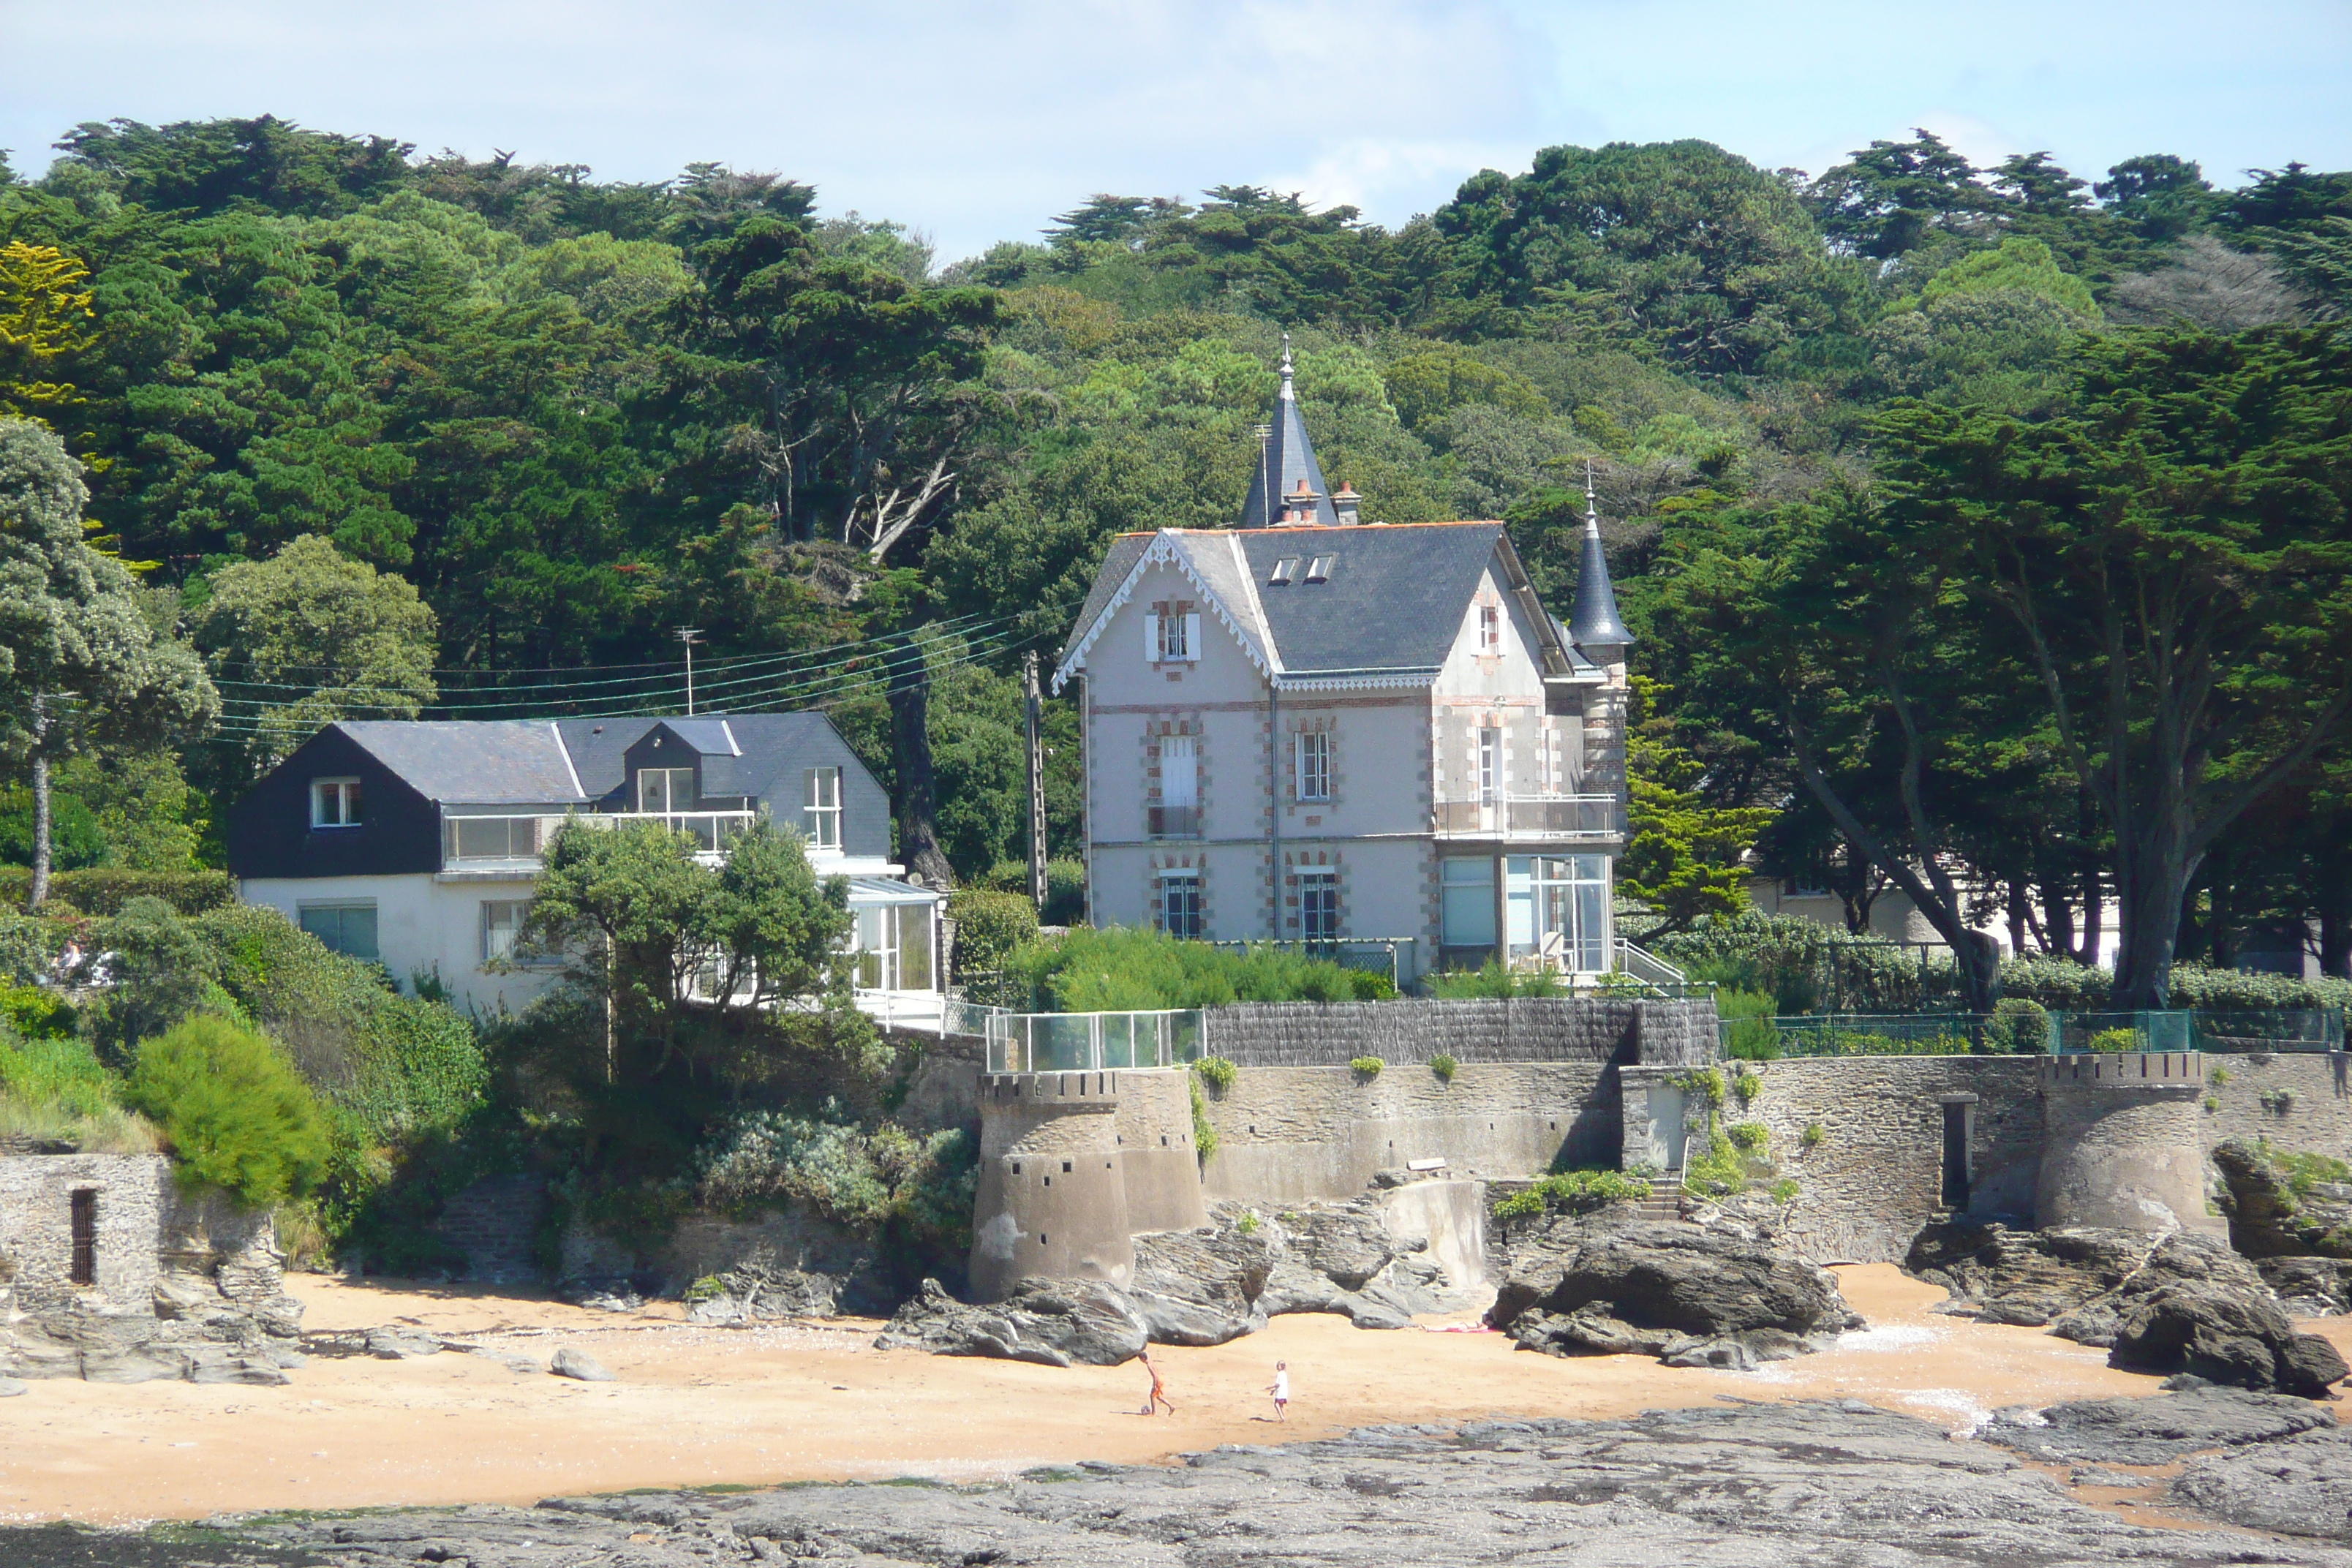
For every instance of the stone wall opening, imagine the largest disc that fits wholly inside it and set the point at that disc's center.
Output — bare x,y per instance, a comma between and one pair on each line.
1955,1193
83,1269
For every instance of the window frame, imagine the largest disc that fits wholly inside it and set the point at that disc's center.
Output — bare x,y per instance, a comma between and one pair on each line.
1319,570
350,796
302,910
816,815
1319,885
669,775
1490,628
1311,785
521,908
1285,572
1171,881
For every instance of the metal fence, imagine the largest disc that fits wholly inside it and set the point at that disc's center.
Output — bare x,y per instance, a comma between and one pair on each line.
1094,1042
2268,1029
2273,1029
1871,1034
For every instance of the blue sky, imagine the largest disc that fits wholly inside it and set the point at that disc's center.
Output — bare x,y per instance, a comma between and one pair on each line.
976,123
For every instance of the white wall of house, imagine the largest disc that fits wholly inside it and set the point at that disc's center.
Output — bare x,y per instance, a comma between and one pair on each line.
425,924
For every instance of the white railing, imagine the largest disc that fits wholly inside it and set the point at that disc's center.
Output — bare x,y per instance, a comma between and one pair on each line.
1548,817
1094,1042
1642,964
524,836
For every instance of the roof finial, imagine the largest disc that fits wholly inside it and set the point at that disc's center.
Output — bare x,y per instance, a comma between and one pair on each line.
1287,394
1592,512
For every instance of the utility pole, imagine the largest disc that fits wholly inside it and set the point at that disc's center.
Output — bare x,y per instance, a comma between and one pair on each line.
690,636
1034,708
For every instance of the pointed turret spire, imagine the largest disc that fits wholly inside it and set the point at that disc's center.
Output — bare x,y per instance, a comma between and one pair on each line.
1594,622
1286,460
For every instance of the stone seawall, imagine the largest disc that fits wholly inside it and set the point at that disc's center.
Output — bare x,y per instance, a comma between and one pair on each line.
1528,1029
133,1207
2297,1100
1293,1133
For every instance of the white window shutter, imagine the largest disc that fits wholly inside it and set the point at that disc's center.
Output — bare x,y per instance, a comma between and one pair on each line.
1151,639
1192,636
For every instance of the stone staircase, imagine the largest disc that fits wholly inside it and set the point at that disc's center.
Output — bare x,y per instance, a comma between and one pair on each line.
1665,1200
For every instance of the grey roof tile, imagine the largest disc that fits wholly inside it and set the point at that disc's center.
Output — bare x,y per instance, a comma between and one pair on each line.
478,762
1394,601
1118,561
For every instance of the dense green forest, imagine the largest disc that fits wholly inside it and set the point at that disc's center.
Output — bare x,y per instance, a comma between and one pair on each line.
1980,526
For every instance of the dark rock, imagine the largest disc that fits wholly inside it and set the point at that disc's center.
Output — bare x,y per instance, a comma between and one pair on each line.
753,1292
2301,1486
1056,1322
1200,1287
2153,1431
2309,1287
2268,1218
2196,1306
579,1365
1607,1286
2024,1277
402,1344
1349,1242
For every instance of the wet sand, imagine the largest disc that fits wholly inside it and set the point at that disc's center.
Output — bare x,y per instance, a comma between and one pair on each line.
697,1406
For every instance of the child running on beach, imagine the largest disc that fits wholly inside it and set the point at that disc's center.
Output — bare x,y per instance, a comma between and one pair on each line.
1159,1389
1280,1389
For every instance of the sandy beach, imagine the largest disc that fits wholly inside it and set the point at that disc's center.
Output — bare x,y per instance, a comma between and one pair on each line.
699,1406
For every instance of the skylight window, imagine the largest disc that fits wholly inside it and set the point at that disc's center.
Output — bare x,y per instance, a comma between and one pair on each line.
1319,569
1286,572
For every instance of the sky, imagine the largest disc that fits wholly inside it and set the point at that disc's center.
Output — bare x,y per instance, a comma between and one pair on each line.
978,123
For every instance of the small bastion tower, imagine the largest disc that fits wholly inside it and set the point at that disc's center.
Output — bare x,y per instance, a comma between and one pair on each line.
2121,1141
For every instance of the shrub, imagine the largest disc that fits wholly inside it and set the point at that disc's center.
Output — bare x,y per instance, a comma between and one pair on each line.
1367,1067
2112,1041
2278,1101
1218,1071
859,1177
1719,1173
2018,1026
1205,1132
1119,968
1444,1065
1247,1225
1744,1087
56,1092
233,1109
1571,1192
1813,1136
988,927
1065,888
1747,1137
37,1012
1493,983
2217,1076
1785,1190
2212,1102
1704,1082
103,889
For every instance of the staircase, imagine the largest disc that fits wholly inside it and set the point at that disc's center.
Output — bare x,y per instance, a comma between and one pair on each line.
1665,1200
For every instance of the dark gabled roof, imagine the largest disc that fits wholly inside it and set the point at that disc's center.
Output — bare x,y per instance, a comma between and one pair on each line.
756,755
1394,600
479,761
1117,562
1284,460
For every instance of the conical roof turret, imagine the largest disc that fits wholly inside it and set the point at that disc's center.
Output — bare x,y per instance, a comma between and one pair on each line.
1286,460
1592,620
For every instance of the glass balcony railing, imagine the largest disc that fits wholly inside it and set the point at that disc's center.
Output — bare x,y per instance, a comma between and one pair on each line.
1553,818
524,836
1175,821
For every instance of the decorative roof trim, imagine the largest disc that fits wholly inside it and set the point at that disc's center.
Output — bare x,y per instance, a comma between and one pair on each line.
1257,605
727,730
565,751
1342,681
1163,550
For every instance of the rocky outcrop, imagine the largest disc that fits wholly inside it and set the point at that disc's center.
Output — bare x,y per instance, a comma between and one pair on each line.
2195,1306
217,1320
1800,1484
2309,1287
1054,1322
2027,1277
2300,1486
2158,1431
2277,1210
1719,1293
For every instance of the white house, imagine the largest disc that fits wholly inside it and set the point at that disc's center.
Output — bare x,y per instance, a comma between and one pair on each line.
417,844
1314,728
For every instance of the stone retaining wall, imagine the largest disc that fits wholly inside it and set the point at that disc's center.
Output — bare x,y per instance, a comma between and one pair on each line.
1292,1133
1412,1030
2296,1099
135,1211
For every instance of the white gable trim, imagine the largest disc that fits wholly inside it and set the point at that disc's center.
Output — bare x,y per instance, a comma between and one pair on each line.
1163,550
565,752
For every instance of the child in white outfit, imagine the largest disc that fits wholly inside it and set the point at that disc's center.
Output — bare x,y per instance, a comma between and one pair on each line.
1281,1389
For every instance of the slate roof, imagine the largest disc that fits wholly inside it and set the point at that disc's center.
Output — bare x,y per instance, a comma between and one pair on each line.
1285,457
478,762
756,755
1394,601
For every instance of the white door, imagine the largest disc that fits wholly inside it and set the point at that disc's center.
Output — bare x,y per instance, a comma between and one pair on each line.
1667,1110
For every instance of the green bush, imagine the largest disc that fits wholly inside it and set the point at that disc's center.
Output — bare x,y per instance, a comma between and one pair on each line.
1721,1173
103,889
1444,1065
233,1110
1493,983
1367,1067
1744,1087
56,1093
29,946
2018,1027
1065,888
2217,1076
1706,1082
2110,1041
988,927
37,1012
1785,1190
1572,1192
1122,968
1218,1071
1747,1137
857,1176
1813,1136
1205,1132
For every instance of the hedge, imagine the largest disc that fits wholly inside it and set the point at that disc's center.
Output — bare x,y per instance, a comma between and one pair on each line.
1118,968
103,889
988,927
235,1113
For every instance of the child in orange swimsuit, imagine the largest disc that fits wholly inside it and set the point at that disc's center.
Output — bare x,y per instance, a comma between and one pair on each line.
1159,1389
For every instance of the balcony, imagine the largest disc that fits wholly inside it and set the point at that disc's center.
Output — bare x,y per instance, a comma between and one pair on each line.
1532,818
474,842
1174,821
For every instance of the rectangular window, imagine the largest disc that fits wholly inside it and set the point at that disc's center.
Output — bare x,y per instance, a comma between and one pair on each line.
1319,906
1490,766
1319,569
84,1215
1180,638
665,790
1315,765
1286,572
348,929
1557,911
336,803
821,806
1178,815
1466,903
1179,903
501,922
1490,628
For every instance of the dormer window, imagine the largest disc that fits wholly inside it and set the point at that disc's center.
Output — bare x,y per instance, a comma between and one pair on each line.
1286,572
336,803
661,791
820,789
1319,569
